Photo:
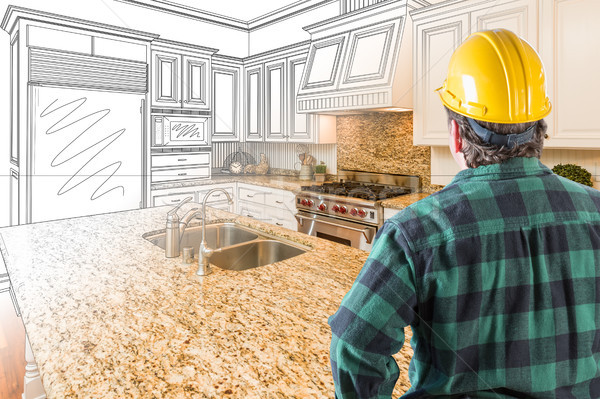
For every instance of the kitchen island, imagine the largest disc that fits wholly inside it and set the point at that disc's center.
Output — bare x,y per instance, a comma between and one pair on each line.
108,316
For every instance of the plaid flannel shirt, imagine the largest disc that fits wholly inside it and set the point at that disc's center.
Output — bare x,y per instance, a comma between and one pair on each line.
497,275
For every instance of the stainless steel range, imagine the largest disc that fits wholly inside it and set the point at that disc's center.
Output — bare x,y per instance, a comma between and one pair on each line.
349,211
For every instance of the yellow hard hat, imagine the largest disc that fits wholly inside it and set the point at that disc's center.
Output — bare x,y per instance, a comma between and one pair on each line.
495,76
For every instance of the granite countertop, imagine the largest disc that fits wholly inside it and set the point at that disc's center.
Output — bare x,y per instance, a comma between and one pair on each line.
403,201
283,182
290,183
108,316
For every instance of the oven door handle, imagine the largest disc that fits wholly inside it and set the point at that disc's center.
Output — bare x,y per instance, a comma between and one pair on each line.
367,231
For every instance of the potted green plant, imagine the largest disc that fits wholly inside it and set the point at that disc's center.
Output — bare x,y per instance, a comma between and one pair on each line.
574,172
320,171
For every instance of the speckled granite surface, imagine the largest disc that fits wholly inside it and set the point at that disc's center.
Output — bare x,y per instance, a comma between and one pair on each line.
403,201
108,316
291,183
382,143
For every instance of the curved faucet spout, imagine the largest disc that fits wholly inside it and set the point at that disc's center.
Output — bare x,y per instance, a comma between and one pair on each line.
205,252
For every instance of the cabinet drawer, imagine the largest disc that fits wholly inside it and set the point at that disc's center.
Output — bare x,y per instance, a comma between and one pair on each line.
201,172
216,196
170,199
166,160
251,210
281,199
281,217
254,195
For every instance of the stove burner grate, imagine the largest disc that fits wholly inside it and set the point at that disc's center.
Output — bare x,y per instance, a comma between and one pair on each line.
372,192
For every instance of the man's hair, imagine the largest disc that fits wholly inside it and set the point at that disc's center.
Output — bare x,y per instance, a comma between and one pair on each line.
478,153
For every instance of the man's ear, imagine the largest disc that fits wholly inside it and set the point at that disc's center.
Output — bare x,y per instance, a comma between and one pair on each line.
455,139
456,145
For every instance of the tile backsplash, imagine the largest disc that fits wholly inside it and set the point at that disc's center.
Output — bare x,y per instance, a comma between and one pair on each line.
383,143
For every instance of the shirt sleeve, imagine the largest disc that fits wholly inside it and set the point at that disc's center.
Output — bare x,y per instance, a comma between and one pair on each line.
368,328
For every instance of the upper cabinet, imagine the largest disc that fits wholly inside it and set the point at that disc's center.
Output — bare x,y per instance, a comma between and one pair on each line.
271,84
554,27
181,78
226,100
570,47
355,62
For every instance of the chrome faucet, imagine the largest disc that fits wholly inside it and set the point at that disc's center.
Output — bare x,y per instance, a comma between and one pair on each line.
176,227
204,253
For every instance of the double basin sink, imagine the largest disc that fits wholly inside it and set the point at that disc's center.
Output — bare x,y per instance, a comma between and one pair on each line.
241,247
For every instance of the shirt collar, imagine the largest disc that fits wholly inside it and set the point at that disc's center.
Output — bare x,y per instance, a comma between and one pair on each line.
509,169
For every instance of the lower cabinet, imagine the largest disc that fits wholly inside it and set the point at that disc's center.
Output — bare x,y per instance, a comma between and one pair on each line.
269,205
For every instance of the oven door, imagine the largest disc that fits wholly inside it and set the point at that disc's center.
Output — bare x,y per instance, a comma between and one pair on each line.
345,232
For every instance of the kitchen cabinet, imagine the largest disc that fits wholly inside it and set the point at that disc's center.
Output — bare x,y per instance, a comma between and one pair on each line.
271,84
267,204
300,129
253,95
569,43
275,101
226,102
181,76
437,31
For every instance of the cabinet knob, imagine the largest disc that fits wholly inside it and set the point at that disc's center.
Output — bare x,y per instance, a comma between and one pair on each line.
186,101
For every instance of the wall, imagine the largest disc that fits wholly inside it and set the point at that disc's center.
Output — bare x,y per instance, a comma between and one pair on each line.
4,127
381,142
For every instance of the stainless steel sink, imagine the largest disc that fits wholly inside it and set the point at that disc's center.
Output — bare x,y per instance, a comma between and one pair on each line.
253,254
241,247
218,235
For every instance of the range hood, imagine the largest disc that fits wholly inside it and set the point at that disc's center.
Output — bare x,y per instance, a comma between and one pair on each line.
359,62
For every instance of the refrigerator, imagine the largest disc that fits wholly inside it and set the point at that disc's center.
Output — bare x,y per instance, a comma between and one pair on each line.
86,152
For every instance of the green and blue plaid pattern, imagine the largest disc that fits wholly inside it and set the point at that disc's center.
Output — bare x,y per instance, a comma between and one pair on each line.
497,275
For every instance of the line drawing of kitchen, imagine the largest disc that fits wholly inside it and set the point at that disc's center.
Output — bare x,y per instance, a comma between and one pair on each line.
112,108
178,97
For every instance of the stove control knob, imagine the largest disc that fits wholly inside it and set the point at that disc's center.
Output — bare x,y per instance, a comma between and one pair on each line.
343,209
322,206
362,213
354,211
335,208
310,203
304,202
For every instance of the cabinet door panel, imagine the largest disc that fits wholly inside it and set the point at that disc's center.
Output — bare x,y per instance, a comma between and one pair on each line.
225,104
195,82
576,58
275,101
166,79
300,128
254,101
435,43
